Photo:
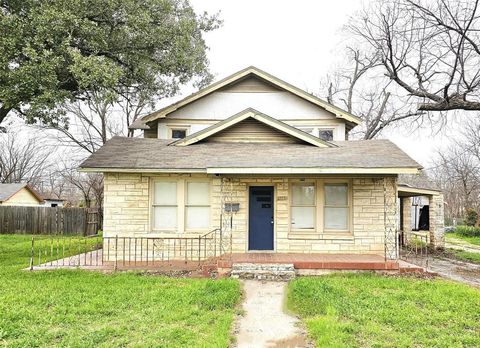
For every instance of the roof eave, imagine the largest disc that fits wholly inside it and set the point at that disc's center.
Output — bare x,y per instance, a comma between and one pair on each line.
260,170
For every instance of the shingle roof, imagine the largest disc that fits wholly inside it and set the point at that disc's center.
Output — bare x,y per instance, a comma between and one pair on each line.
155,154
8,190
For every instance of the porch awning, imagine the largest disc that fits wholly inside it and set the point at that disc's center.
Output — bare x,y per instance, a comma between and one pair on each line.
410,191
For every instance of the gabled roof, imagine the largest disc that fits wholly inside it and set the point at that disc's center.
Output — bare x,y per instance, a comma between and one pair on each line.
144,155
252,113
9,190
253,71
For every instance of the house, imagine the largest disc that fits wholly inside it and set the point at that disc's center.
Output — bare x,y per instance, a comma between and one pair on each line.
19,194
51,201
266,164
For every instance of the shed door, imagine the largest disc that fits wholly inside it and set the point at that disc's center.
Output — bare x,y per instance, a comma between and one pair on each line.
260,224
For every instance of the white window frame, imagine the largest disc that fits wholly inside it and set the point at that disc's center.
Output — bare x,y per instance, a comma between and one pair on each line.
319,129
182,185
171,128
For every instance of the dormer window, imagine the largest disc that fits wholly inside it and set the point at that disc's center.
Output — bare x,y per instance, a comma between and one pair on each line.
178,132
325,134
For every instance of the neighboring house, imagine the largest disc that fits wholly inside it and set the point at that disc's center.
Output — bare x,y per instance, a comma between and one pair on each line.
53,201
263,161
19,194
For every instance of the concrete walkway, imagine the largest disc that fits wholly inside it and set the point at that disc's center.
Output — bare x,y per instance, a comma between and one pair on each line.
264,323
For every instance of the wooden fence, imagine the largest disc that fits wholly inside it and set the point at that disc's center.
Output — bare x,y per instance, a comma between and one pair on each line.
48,220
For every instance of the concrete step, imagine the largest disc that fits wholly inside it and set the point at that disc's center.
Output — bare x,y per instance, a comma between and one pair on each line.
263,271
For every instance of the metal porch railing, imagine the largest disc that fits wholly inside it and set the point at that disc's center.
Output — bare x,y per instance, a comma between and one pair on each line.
120,252
415,249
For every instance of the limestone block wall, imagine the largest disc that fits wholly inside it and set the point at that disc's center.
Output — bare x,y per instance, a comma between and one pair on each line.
437,221
127,213
126,204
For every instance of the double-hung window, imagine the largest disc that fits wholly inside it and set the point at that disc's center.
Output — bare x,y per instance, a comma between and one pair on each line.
303,206
165,207
336,207
182,205
197,209
320,208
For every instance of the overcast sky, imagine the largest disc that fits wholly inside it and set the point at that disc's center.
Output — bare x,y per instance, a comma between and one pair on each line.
298,41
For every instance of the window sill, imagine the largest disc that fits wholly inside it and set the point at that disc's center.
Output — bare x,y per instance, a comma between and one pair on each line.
168,234
347,236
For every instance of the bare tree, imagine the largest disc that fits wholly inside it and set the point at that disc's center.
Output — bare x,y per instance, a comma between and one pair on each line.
457,172
23,160
431,49
360,89
89,185
89,124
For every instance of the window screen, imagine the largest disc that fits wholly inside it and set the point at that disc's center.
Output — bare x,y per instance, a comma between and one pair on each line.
303,206
197,210
336,210
165,206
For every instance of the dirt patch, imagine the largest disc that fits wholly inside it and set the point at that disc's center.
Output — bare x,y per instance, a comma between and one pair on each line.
446,266
265,323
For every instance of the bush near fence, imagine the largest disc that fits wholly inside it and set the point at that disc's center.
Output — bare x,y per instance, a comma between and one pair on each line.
47,220
468,231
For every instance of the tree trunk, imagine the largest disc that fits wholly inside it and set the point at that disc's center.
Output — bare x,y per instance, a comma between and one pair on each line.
4,110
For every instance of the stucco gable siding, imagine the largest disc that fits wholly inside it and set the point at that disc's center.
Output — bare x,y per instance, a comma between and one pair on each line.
22,197
281,105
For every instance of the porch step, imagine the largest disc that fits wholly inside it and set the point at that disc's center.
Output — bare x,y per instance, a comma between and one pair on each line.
263,271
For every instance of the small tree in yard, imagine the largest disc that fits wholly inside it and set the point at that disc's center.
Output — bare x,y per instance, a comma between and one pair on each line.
471,217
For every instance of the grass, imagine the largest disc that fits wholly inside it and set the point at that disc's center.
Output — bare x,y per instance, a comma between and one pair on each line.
83,309
368,310
466,256
471,240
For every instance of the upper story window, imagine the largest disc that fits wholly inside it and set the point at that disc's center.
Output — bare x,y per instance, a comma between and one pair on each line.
178,133
325,134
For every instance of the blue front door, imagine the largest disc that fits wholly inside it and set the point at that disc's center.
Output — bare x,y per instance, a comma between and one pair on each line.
260,212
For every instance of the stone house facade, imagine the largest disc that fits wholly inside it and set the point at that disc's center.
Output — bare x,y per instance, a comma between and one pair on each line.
263,162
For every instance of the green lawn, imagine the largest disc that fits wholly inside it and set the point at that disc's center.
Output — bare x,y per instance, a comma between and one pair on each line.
466,256
471,240
86,309
368,310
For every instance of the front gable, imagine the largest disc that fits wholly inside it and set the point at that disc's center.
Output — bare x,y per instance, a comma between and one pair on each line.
252,126
254,88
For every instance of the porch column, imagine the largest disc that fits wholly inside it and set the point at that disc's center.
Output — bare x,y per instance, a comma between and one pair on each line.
407,217
436,221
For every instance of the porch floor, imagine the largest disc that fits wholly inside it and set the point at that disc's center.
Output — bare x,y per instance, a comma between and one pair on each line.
313,261
94,261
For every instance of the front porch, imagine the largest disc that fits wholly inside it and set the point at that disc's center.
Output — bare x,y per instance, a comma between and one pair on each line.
302,261
51,256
